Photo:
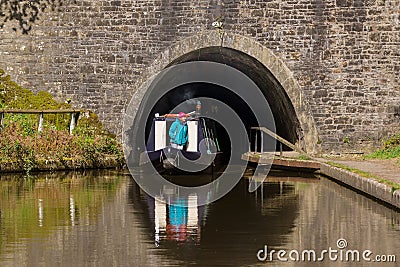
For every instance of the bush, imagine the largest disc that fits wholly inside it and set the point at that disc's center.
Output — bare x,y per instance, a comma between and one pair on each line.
13,96
392,141
22,144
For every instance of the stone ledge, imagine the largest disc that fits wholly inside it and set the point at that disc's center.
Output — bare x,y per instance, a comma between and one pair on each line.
368,186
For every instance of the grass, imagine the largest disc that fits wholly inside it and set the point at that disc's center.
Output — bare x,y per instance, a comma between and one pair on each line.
393,185
385,153
303,157
390,149
359,172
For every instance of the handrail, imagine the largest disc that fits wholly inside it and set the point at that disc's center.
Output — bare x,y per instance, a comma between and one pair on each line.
37,111
74,116
280,139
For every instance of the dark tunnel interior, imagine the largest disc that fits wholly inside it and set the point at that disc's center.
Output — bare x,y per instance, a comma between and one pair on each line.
184,97
286,121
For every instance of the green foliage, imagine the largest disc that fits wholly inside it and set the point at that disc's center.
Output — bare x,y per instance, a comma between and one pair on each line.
304,157
390,149
392,142
17,147
56,145
89,125
389,153
21,143
26,121
15,96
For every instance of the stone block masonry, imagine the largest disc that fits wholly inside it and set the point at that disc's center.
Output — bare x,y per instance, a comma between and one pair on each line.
345,55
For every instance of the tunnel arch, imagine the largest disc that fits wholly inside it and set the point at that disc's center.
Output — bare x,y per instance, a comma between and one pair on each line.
291,111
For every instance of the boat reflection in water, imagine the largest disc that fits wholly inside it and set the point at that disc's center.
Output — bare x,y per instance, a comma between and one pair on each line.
176,213
177,219
175,216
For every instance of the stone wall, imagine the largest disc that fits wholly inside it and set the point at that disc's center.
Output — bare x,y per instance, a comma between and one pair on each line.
345,54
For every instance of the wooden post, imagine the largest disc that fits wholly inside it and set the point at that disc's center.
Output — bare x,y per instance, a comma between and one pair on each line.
251,139
262,142
255,143
1,121
74,116
40,127
72,124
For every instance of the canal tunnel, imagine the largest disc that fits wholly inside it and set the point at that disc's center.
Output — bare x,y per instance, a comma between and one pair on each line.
286,121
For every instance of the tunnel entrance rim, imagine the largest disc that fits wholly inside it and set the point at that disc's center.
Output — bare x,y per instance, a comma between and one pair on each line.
308,135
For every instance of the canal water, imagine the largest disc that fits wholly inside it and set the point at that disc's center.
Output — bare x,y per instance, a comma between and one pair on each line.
104,219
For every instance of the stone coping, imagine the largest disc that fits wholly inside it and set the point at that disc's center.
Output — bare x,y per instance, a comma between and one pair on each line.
368,186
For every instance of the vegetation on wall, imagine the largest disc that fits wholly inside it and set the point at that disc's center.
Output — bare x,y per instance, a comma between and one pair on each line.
390,149
21,144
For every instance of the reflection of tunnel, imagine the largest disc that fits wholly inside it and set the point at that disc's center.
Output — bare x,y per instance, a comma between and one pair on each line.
286,121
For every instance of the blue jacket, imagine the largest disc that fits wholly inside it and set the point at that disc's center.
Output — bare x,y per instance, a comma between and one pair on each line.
178,133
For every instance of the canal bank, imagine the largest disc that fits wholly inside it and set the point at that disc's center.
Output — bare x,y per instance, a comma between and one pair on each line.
378,179
377,187
67,164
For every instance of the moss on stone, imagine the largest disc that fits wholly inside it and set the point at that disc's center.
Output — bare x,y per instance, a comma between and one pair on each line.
29,150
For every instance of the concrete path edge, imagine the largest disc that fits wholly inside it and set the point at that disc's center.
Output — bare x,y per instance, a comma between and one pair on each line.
369,186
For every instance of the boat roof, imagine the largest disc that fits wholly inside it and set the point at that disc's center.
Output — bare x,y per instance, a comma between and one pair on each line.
173,119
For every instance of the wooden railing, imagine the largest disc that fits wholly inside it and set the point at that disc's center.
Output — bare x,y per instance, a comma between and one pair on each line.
281,140
74,116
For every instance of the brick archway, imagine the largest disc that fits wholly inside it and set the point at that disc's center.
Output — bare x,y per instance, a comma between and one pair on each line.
306,131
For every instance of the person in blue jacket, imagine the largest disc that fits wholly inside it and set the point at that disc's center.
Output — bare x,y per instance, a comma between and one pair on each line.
178,132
